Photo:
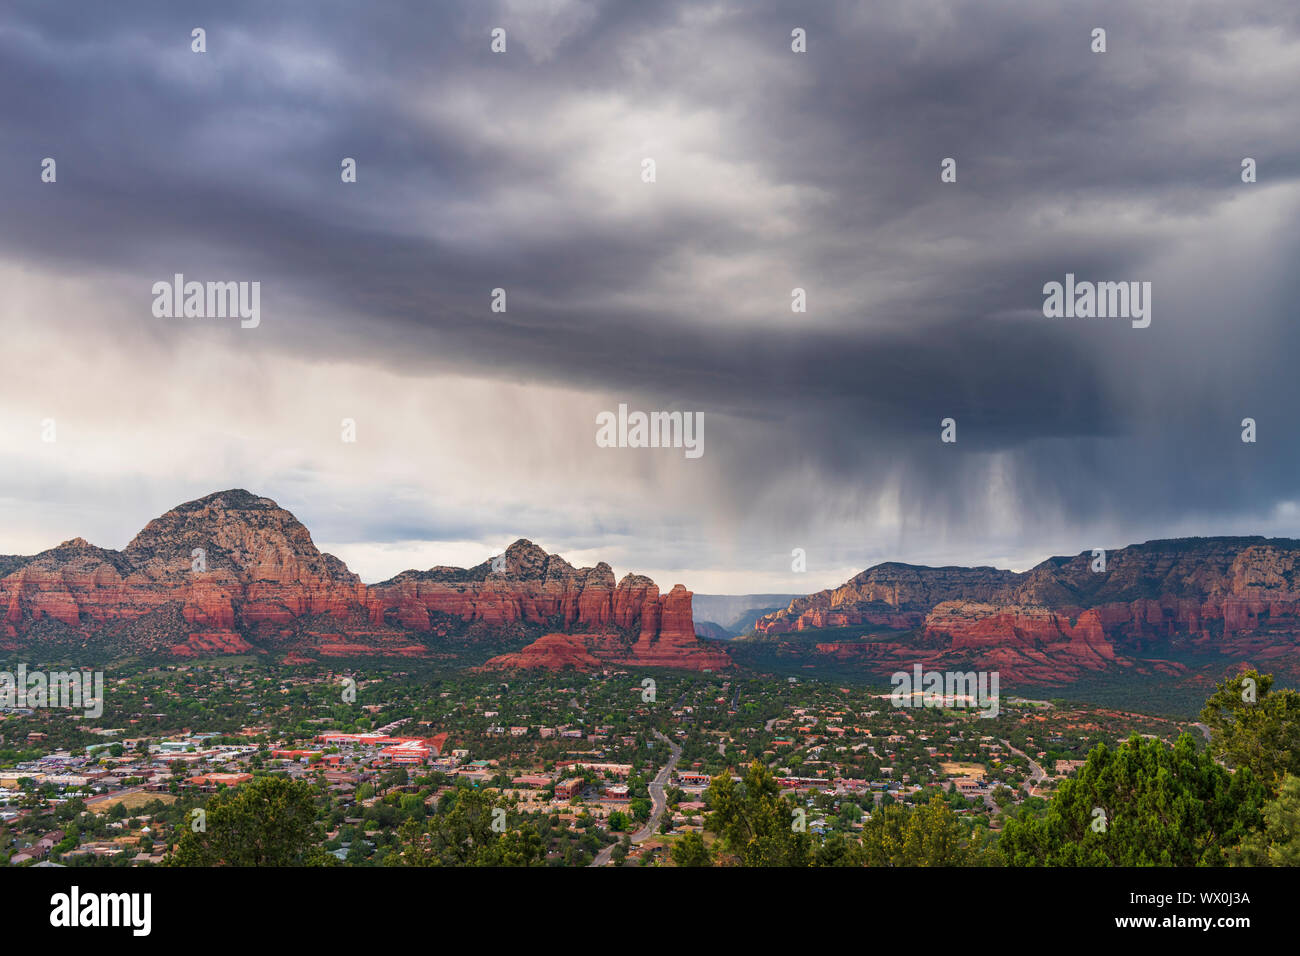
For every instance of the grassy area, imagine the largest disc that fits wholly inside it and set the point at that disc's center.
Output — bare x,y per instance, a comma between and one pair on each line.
132,801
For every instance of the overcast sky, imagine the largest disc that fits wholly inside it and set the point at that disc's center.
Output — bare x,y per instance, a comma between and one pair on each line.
774,170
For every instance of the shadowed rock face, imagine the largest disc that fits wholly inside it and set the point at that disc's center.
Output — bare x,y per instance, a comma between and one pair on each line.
235,573
1238,597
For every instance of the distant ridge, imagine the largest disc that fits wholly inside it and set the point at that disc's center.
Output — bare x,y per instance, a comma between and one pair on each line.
1152,607
735,614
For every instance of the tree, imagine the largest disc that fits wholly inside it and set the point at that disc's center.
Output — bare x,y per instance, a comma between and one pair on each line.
755,824
836,850
1141,804
412,805
640,808
1253,726
1279,843
929,835
691,851
468,833
269,821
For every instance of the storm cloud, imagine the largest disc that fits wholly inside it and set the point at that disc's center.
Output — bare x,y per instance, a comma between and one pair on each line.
775,170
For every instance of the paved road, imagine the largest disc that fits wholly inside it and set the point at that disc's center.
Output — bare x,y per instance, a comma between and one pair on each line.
1205,731
658,802
776,759
1036,773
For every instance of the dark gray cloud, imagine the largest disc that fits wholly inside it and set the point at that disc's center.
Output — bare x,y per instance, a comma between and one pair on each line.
818,170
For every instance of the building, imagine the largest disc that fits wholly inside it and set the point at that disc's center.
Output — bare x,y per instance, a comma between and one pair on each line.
293,754
431,746
535,781
620,770
568,789
407,752
210,781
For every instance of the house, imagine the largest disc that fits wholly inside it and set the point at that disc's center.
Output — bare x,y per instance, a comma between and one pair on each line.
45,844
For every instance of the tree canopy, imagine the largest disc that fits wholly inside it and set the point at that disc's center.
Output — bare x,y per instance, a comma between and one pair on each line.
1141,804
269,821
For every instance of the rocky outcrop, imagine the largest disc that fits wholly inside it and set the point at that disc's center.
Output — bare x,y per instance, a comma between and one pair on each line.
666,639
233,573
1061,620
552,652
629,622
223,574
887,595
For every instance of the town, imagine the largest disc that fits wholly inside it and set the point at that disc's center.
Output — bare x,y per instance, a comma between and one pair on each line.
610,768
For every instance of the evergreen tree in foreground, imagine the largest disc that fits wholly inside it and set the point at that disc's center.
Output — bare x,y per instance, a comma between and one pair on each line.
269,821
1254,726
1142,804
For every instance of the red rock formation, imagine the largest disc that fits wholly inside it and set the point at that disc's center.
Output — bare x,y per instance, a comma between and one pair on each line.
531,587
552,652
666,639
887,595
233,573
1062,620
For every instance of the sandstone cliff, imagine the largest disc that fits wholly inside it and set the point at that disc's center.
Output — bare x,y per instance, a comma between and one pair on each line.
235,573
1233,597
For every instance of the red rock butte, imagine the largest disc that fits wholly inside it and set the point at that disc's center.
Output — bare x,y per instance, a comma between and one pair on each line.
1062,620
234,573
